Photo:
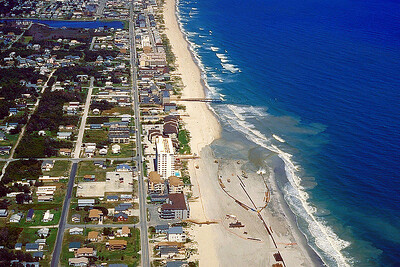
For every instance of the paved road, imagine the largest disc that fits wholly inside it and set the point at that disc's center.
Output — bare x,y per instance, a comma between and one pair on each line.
60,234
83,121
144,241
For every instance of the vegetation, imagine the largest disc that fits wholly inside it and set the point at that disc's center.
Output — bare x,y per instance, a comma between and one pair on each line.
101,105
99,137
25,169
184,139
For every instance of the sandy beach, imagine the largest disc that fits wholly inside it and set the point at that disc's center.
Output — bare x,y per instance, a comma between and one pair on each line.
213,198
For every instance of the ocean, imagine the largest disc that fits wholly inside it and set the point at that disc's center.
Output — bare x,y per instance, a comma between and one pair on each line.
313,86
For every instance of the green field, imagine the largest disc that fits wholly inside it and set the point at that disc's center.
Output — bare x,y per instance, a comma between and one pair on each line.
95,136
88,168
61,168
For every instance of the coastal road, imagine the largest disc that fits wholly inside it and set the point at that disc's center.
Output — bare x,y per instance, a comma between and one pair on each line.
144,241
60,234
83,121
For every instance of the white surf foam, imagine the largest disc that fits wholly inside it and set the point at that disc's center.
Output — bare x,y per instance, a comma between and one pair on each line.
325,239
230,67
280,139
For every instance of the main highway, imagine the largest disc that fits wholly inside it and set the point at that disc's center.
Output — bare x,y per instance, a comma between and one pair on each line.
144,241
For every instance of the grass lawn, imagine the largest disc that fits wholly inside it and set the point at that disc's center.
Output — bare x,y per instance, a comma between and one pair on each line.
118,110
184,139
37,219
88,167
10,141
27,39
61,168
127,150
97,120
95,136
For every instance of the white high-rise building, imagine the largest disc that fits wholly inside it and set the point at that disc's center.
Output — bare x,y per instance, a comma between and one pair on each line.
165,157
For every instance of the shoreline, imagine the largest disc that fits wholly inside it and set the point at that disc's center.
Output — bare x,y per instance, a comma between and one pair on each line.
204,127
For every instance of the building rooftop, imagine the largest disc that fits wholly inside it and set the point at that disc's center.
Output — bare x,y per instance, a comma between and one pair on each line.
154,177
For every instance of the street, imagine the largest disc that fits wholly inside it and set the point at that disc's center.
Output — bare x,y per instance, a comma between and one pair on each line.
78,144
142,189
60,235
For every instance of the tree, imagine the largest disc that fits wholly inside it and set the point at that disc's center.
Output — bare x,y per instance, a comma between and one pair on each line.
107,231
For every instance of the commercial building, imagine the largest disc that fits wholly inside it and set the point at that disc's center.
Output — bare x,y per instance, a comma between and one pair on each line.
165,157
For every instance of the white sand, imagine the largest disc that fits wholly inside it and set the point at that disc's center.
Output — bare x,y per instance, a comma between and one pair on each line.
218,244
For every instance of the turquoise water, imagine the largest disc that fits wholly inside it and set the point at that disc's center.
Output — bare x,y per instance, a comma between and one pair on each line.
317,83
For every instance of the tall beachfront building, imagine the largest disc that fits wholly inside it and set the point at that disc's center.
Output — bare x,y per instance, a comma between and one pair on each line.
165,157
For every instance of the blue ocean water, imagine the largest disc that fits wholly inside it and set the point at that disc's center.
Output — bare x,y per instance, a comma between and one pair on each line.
317,82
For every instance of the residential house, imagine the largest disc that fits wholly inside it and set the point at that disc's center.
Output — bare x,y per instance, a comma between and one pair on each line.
48,179
47,217
82,261
176,207
175,185
2,136
95,214
18,246
100,164
47,165
5,150
116,149
124,231
103,151
64,135
85,252
155,183
31,247
177,264
168,252
38,255
86,203
94,236
118,134
116,244
176,234
65,152
16,218
76,231
112,198
89,178
3,213
161,228
43,232
120,216
123,168
30,215
73,246
90,150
